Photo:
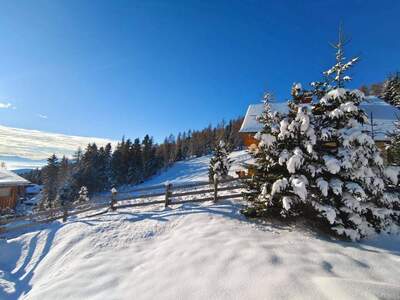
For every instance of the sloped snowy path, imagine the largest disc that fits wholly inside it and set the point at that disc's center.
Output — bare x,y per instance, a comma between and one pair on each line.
192,252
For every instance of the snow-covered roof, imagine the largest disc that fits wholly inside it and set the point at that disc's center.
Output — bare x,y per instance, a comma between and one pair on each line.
383,115
8,178
33,189
250,123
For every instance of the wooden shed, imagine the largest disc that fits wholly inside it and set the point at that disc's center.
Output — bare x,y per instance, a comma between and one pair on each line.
12,187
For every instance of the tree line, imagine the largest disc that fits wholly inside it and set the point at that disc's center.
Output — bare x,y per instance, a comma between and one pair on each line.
130,162
388,90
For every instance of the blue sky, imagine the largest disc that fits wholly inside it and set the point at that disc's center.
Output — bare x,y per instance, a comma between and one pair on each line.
113,68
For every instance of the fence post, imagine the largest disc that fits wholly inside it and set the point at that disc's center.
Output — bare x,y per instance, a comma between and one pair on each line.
65,212
168,187
113,198
215,189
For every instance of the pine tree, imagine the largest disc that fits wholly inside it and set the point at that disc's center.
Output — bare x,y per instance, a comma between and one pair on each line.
50,182
391,90
284,160
67,192
220,162
117,166
90,171
64,171
149,158
78,155
83,196
136,169
352,180
393,151
103,167
322,165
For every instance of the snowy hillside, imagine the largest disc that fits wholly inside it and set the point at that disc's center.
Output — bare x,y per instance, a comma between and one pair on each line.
206,251
195,169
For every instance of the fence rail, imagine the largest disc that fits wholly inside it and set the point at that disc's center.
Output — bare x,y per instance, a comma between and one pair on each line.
173,194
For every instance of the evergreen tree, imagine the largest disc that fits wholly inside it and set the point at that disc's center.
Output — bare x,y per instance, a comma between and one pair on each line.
83,196
219,163
284,160
150,164
376,89
179,155
103,167
136,168
393,151
117,166
322,166
78,155
90,171
391,90
64,171
50,182
352,180
67,192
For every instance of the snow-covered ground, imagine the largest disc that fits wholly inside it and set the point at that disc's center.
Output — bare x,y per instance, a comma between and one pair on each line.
206,251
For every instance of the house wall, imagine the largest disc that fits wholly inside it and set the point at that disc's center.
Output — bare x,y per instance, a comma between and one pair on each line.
8,198
248,139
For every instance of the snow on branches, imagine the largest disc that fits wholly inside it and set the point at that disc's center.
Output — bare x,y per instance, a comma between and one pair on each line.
220,162
317,162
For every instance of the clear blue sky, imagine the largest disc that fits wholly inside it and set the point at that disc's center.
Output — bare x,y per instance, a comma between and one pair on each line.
113,68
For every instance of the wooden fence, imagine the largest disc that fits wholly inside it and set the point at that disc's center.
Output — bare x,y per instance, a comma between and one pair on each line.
169,193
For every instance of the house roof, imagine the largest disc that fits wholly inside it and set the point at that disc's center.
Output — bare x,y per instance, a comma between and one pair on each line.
383,115
33,189
8,178
250,123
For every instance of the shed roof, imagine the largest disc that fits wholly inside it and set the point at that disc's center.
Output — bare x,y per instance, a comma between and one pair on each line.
384,115
8,178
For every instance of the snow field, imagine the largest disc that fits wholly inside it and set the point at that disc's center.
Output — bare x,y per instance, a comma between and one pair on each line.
207,251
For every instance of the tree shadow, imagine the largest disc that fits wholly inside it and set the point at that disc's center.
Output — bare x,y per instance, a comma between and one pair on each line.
21,278
224,208
375,244
231,210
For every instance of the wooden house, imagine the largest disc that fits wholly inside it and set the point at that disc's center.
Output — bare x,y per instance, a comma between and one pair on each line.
12,187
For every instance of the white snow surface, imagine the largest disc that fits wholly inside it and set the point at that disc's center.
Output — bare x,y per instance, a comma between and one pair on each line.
207,251
8,178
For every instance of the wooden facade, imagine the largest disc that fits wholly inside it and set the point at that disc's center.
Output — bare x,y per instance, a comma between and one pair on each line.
12,188
8,197
248,139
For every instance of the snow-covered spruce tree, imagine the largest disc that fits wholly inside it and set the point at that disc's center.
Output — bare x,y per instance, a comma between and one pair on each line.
391,90
353,183
393,151
220,162
323,166
83,196
284,160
